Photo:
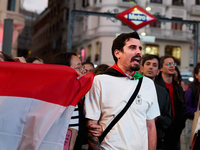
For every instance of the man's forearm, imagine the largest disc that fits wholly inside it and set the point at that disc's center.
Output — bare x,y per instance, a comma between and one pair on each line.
152,135
94,143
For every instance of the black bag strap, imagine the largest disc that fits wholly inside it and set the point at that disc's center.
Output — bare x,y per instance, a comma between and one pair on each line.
119,116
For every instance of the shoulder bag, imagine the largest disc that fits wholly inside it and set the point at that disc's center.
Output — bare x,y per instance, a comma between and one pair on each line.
119,116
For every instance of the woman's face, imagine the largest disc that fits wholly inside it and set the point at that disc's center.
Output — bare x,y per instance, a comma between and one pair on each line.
76,65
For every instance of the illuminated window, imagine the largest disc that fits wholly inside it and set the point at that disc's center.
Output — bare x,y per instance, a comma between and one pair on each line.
83,54
174,51
152,49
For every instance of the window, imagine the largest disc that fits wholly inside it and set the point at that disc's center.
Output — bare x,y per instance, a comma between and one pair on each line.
74,6
89,53
129,0
176,26
156,1
155,24
152,49
174,51
67,14
197,2
11,5
95,1
177,2
85,3
83,54
97,51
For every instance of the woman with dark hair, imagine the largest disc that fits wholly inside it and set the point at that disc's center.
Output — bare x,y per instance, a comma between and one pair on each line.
178,78
70,59
100,69
78,119
5,57
191,99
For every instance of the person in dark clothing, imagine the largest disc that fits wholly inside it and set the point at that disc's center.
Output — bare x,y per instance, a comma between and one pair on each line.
165,79
150,68
100,69
191,99
178,78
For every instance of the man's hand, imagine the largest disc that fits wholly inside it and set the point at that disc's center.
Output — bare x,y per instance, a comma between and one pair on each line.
95,130
93,140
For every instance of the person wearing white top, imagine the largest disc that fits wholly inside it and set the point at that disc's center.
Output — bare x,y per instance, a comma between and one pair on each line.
110,93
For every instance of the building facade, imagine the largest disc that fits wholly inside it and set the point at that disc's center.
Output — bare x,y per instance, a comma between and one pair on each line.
93,35
48,31
9,9
25,37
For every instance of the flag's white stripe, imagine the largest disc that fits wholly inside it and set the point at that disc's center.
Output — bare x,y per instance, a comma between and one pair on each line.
27,123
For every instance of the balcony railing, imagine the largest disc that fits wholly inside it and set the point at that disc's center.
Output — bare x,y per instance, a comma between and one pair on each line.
157,32
170,34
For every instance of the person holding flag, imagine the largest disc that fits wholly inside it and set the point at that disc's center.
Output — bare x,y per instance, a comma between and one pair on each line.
36,104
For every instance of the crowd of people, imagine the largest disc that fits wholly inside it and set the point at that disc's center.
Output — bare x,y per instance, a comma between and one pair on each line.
162,110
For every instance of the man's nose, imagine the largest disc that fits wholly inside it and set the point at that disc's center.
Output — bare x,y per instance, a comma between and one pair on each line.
151,66
138,51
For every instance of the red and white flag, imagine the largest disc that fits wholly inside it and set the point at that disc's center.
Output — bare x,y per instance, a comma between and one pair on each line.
36,104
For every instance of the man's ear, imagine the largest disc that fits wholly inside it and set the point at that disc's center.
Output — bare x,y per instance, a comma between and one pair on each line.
117,53
141,70
158,72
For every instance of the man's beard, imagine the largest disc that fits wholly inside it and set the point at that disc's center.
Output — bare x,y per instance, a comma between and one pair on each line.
135,68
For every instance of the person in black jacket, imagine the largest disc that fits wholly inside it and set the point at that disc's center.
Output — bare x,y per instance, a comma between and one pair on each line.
150,68
165,79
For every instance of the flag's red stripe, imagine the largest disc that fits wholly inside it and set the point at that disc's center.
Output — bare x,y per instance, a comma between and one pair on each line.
51,83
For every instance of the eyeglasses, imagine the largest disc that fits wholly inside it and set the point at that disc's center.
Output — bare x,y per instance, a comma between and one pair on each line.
169,64
79,68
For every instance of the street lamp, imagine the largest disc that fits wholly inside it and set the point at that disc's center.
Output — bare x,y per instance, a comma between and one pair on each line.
143,34
148,8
